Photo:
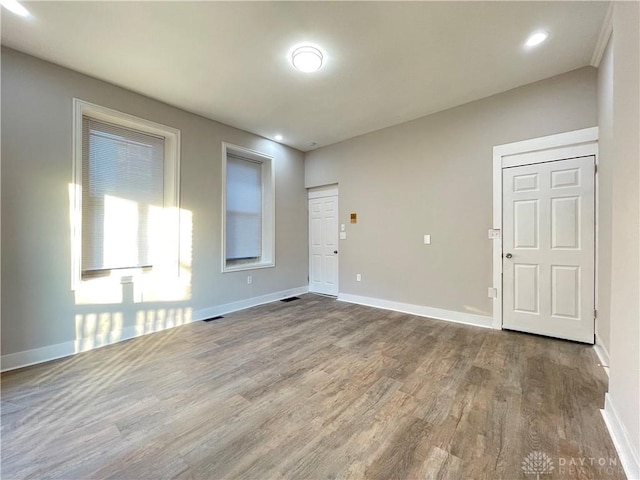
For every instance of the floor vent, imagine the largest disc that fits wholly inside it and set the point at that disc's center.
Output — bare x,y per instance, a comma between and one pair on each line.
213,318
290,299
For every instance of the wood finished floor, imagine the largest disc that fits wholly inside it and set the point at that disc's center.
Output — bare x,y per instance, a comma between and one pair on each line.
310,389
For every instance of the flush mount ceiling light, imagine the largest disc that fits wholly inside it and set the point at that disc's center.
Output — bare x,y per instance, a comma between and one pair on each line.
536,39
307,59
15,7
279,138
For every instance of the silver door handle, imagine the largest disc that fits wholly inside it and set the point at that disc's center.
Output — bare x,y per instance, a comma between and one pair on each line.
508,255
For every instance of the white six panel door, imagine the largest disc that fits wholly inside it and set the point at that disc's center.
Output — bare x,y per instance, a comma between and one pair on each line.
548,248
323,245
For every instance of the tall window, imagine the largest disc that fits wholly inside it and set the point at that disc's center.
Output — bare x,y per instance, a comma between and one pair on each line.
244,210
122,178
248,214
125,176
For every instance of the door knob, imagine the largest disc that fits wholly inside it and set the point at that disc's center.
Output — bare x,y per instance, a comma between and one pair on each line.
335,251
508,255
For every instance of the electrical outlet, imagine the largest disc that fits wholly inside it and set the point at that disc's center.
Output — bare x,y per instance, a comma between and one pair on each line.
358,277
427,239
249,280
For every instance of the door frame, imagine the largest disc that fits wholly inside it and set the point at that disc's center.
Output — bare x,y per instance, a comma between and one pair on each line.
322,192
562,146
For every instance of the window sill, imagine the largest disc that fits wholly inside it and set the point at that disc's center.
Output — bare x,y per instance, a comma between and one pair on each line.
248,266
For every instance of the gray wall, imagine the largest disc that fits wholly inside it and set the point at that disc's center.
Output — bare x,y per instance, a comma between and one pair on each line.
434,176
605,195
624,382
39,308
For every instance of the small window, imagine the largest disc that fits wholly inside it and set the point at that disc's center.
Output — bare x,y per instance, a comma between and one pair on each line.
126,182
248,209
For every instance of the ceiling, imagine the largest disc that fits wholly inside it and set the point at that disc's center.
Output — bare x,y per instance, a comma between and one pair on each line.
385,62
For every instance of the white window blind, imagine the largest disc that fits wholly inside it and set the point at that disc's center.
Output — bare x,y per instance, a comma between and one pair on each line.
244,209
122,181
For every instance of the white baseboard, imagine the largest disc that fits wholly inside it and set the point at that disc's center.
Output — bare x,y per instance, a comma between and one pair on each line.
624,447
52,352
420,310
11,361
602,353
248,303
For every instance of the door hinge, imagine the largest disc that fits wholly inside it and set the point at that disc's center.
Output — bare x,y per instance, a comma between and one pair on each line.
595,314
595,168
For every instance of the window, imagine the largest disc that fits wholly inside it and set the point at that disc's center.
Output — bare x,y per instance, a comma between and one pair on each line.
248,209
126,180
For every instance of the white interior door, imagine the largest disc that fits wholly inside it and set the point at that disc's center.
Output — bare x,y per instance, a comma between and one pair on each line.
323,245
548,248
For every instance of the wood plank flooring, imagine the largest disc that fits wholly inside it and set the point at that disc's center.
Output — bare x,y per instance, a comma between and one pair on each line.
311,389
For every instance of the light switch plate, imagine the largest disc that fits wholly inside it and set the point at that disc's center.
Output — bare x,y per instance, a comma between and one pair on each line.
342,227
427,240
494,234
492,292
343,235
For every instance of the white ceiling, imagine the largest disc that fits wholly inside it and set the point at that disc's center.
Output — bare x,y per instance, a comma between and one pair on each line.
385,62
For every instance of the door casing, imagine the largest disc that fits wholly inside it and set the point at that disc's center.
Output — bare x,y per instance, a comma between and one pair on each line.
578,143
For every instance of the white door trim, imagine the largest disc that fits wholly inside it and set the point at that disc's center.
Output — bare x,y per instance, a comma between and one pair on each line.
578,143
324,191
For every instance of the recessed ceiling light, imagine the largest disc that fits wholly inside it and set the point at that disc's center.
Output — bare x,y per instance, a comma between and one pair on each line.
15,7
536,39
278,137
307,59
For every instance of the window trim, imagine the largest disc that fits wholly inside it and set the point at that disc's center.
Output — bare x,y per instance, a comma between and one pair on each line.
268,208
171,179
